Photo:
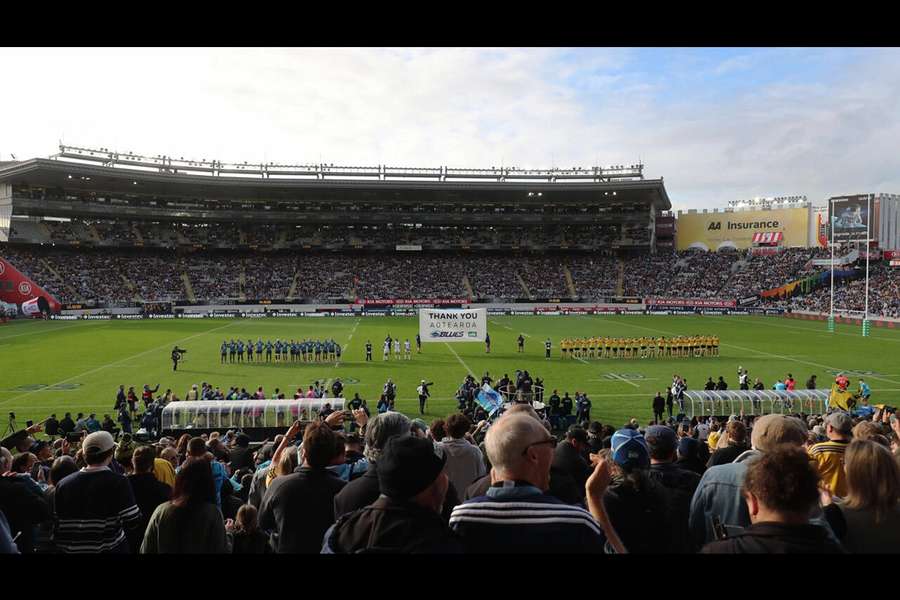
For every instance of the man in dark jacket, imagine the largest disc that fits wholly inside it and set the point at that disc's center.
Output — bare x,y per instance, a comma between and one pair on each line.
300,506
659,405
737,445
679,483
149,492
241,455
364,490
569,458
51,426
406,517
67,425
781,489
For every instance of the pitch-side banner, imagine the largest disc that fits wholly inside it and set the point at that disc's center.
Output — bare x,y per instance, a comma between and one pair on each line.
450,325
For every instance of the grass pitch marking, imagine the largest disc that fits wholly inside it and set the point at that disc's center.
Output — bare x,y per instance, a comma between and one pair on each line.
469,371
7,337
127,358
620,378
762,352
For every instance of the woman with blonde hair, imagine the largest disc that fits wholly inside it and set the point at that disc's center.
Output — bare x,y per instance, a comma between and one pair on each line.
867,520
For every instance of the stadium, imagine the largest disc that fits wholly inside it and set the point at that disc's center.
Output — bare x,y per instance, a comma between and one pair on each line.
590,300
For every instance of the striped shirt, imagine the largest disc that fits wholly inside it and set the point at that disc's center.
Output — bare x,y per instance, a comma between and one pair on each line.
93,509
525,520
829,458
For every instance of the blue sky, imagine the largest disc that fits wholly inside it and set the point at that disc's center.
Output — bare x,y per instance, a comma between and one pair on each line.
719,124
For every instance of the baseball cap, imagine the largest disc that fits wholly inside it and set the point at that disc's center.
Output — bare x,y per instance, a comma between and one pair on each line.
661,439
841,422
629,449
99,441
407,466
577,433
771,430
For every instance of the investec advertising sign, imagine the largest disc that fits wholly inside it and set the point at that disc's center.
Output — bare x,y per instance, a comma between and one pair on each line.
714,230
448,325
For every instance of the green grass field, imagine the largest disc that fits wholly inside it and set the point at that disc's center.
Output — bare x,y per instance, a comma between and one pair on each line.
77,366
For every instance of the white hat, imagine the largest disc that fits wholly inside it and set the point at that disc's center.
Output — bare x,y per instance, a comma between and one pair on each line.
99,441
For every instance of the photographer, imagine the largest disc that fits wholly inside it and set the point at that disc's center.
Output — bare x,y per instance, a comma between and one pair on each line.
177,354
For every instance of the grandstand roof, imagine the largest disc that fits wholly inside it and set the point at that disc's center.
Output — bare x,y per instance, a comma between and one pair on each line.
94,177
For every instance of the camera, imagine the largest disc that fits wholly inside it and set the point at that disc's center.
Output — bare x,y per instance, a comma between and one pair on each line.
890,409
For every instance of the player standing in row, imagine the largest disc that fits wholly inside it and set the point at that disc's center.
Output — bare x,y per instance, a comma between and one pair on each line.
368,350
240,346
387,348
268,350
397,348
250,350
418,344
224,351
232,350
407,347
521,342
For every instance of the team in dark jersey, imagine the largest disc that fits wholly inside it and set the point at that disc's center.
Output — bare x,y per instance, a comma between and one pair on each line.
279,351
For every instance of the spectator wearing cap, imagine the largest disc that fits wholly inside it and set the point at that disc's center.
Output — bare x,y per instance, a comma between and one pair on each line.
148,491
95,508
680,483
781,490
719,494
300,507
23,503
43,451
569,459
736,433
637,504
867,519
465,462
516,515
829,455
406,517
241,456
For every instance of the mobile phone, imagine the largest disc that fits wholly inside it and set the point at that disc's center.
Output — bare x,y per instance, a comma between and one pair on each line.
29,423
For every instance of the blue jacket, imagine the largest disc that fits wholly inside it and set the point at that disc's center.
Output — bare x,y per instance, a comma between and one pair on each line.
719,494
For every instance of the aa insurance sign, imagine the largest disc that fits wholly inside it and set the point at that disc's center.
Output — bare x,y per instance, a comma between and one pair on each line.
447,325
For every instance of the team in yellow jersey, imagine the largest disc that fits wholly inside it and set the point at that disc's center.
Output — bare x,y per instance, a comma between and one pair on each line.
642,347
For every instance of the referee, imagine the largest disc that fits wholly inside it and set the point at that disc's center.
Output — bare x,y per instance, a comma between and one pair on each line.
547,346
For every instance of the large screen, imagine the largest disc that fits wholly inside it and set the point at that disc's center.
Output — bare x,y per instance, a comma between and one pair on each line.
848,217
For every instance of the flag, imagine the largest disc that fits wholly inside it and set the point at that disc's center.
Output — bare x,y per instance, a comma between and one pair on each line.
838,399
489,399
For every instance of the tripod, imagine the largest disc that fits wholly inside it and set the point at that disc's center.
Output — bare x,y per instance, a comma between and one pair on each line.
11,425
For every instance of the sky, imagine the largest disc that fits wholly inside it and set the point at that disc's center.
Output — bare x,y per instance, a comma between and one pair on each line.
717,124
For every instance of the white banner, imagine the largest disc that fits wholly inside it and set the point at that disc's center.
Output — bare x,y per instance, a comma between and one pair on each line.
30,307
452,325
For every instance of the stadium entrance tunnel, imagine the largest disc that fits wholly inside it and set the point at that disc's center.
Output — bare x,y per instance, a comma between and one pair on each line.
260,419
754,402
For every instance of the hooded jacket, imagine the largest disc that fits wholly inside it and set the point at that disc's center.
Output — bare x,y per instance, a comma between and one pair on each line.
391,526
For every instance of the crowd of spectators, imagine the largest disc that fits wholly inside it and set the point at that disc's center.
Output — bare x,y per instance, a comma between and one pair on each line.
125,276
734,485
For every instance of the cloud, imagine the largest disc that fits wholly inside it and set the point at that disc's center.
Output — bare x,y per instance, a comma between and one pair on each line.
826,124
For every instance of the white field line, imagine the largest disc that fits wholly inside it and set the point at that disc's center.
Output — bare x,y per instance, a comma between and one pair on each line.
7,337
469,370
623,379
578,358
762,352
346,345
127,358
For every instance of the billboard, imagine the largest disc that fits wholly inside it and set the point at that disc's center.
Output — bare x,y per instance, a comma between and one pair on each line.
451,325
716,230
849,217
